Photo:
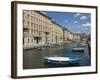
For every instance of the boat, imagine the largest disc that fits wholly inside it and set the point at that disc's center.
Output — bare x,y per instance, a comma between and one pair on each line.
78,49
83,44
61,60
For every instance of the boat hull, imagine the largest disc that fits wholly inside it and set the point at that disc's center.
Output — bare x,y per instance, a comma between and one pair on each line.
61,62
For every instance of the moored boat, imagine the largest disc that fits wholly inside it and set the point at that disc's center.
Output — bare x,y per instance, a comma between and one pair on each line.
61,60
78,49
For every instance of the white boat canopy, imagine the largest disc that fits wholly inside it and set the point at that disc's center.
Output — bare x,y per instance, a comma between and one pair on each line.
59,58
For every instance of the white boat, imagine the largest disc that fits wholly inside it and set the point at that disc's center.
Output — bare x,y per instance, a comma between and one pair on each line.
83,44
78,49
61,60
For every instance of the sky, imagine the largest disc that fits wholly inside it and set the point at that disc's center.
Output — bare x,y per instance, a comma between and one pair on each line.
74,21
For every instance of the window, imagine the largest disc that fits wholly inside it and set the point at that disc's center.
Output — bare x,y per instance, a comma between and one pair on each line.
31,40
32,24
23,41
28,16
39,33
28,40
27,23
31,18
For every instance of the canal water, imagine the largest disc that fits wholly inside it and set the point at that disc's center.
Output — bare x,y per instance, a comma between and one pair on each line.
34,58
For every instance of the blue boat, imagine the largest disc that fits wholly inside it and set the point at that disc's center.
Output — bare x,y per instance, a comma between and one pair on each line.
61,60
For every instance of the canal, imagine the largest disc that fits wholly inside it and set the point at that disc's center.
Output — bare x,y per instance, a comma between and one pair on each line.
34,58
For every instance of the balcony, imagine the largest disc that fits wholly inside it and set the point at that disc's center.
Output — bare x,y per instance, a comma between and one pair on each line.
26,27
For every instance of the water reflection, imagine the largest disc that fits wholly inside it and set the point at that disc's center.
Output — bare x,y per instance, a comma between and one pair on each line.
34,58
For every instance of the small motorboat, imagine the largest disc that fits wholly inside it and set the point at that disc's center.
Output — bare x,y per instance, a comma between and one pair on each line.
61,60
78,49
83,44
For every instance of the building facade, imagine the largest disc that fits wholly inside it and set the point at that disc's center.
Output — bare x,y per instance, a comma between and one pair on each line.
40,30
76,37
56,34
65,35
36,29
70,36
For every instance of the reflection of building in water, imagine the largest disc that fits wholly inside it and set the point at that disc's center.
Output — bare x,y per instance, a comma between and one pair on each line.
40,30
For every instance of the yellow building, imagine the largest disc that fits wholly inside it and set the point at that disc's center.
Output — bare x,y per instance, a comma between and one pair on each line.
65,35
70,36
36,29
76,37
40,30
57,33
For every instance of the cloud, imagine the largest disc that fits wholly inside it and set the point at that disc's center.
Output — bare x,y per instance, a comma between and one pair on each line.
83,17
87,25
75,21
77,14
